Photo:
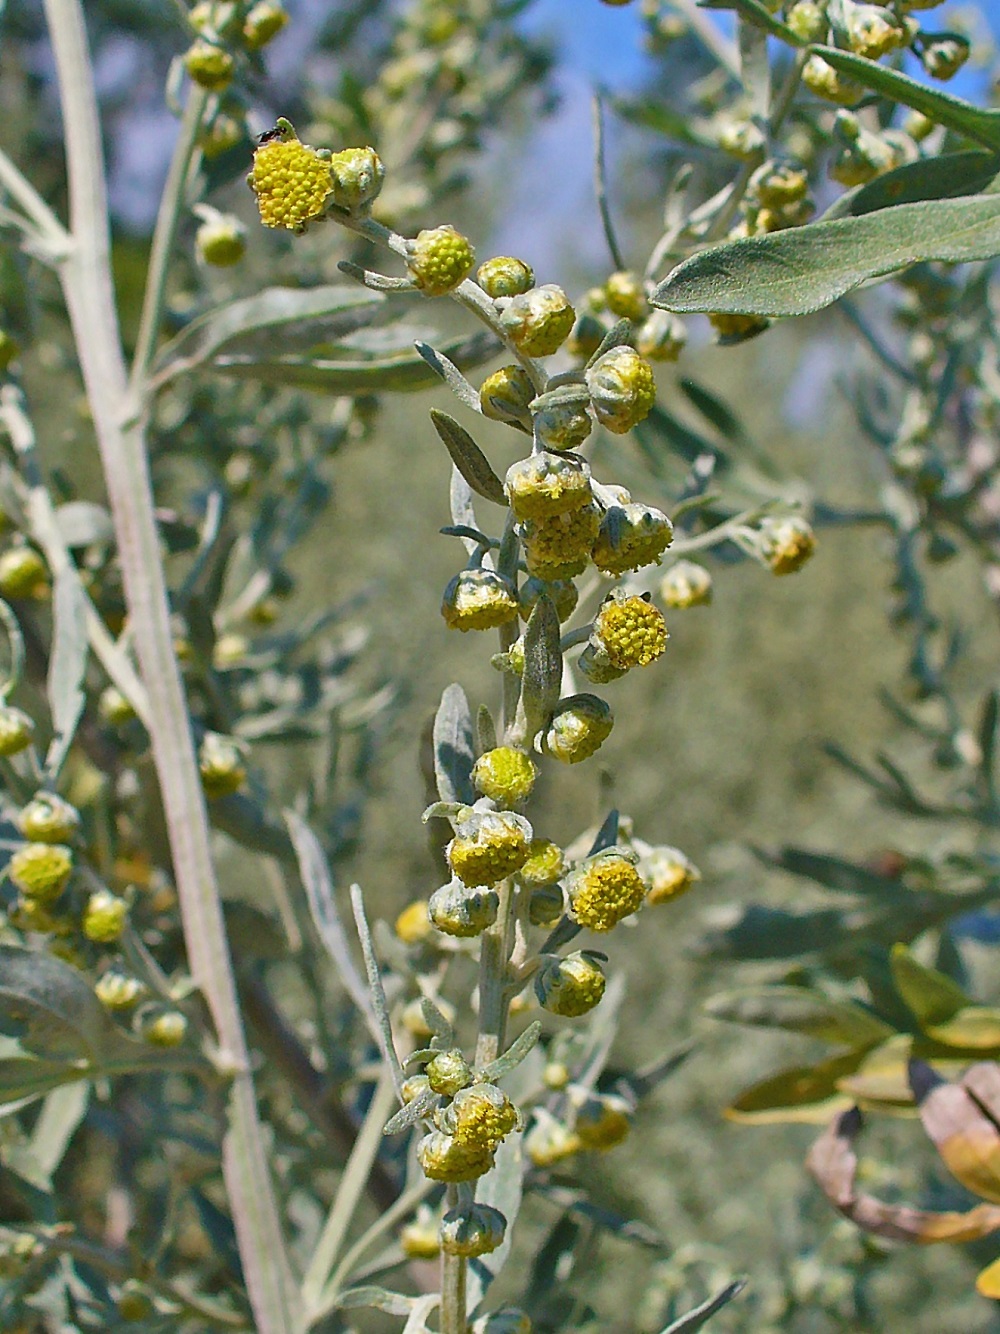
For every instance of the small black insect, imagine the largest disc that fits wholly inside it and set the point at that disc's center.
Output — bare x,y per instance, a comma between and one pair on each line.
269,135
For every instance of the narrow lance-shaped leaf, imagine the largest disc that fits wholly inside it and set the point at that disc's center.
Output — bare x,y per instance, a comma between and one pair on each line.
834,1165
405,371
542,667
932,997
799,1010
945,176
68,664
453,755
945,109
451,375
805,268
468,458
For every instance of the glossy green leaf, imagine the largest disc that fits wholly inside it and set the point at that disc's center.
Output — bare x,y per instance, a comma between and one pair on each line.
800,270
807,1095
453,755
798,1010
289,316
404,371
468,458
932,997
977,123
947,176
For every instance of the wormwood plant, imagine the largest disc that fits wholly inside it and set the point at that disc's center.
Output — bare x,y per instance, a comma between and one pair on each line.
159,677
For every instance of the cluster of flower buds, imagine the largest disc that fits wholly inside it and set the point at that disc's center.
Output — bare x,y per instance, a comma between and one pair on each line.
228,33
657,334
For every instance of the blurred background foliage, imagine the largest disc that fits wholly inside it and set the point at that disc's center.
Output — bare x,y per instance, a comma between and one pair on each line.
724,751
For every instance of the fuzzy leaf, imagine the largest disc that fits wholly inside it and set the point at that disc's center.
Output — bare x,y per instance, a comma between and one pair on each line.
451,375
833,1165
468,458
501,1187
947,176
799,1010
453,754
932,997
945,109
514,1055
805,268
285,316
696,1319
402,371
68,664
543,667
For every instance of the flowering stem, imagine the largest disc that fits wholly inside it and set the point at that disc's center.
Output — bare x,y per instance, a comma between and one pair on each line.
453,1283
89,293
165,232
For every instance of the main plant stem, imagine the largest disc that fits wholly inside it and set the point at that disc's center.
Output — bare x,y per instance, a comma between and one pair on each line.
88,289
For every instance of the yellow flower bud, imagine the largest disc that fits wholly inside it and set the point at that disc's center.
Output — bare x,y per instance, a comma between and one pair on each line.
604,889
478,600
579,726
104,917
292,181
440,259
489,846
505,276
47,818
209,66
571,986
686,584
40,871
505,775
630,630
539,321
622,389
544,485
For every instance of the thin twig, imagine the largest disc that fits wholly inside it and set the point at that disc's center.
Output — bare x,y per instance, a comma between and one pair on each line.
601,182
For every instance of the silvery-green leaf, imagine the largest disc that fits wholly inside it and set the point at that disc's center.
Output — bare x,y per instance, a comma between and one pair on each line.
451,375
543,666
502,1188
514,1055
403,371
615,337
972,122
946,176
287,316
81,523
696,1319
379,1299
68,664
412,1112
453,753
486,730
801,270
468,458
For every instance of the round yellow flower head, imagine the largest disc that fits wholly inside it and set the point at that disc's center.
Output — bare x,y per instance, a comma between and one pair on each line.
579,726
505,276
823,80
220,763
168,1029
778,184
786,544
458,910
686,584
539,321
603,1121
472,1231
545,864
668,873
625,295
292,181
23,574
263,23
221,241
560,547
488,846
631,537
478,600
622,389
104,917
808,20
16,730
661,336
571,986
413,924
357,175
447,1072
419,1239
872,31
445,1158
40,871
48,818
604,889
544,485
209,66
440,259
118,991
562,425
630,630
505,395
481,1115
505,775
549,1142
